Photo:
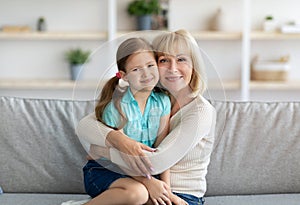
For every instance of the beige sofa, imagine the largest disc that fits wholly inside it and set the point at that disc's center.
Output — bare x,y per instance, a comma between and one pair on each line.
256,156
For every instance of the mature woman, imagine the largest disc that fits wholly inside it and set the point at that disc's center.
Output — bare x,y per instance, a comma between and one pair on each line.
188,146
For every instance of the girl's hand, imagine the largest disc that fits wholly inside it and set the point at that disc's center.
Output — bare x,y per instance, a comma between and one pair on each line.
158,191
132,153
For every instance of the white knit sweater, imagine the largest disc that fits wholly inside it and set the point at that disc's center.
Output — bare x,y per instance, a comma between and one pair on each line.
195,121
186,150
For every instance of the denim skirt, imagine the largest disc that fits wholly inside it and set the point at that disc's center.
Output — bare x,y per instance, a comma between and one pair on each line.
98,176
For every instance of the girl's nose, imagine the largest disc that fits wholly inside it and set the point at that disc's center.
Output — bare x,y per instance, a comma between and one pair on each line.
145,72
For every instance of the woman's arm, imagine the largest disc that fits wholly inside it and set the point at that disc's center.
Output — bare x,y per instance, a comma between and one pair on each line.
197,121
94,132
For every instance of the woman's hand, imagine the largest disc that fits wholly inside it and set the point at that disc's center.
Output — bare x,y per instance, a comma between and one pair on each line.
132,152
158,191
177,200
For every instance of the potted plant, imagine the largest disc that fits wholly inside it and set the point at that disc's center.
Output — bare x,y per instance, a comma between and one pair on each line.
41,24
143,10
269,24
76,58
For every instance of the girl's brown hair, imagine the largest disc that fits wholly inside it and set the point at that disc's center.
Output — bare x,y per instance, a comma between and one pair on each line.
111,90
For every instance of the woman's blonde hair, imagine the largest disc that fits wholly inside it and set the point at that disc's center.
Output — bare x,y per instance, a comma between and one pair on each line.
111,90
170,42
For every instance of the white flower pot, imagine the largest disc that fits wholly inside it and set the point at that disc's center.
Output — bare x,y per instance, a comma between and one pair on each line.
270,26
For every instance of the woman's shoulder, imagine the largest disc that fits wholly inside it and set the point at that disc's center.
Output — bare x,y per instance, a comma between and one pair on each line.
199,107
201,102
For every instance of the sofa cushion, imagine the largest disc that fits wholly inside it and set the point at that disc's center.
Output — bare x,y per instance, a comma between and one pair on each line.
57,199
268,199
39,199
256,150
39,149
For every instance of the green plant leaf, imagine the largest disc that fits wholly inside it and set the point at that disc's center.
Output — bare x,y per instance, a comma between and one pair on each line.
143,7
77,56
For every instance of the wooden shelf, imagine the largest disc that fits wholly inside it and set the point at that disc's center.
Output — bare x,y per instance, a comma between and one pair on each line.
224,84
53,36
217,35
46,84
199,35
261,35
203,35
49,84
275,85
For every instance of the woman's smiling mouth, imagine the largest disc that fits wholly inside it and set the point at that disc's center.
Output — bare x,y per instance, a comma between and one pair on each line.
173,78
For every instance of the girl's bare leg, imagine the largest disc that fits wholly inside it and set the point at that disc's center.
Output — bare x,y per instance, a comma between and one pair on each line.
123,191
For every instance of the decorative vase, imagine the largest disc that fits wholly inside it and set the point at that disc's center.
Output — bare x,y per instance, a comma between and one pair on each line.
144,22
41,24
75,72
270,25
217,21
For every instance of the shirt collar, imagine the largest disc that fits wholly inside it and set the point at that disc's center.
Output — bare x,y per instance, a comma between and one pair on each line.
128,96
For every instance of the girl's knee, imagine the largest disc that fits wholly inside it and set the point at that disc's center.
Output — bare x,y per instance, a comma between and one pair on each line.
138,194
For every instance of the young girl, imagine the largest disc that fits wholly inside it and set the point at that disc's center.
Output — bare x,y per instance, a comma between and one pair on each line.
140,111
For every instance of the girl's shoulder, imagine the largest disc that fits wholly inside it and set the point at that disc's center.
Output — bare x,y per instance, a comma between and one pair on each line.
163,100
162,97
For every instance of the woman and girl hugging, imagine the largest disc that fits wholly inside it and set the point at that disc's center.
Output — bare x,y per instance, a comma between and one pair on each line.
151,141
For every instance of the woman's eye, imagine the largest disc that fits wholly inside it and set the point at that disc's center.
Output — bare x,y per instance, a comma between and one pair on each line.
151,66
181,59
135,70
163,60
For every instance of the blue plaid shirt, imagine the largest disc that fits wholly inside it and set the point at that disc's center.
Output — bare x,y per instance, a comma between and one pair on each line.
140,127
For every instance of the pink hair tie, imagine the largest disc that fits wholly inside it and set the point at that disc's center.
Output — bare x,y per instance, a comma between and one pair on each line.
118,75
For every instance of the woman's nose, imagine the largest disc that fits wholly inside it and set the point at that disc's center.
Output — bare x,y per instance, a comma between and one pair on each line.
173,65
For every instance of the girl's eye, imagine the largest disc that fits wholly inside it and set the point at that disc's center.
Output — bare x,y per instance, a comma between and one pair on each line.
151,66
135,70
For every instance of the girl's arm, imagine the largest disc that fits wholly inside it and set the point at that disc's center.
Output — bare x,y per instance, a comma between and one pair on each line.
163,129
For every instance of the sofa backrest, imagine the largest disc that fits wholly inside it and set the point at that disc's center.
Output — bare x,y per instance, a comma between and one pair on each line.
39,151
256,150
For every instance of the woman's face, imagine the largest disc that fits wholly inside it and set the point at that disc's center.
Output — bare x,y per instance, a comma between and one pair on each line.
175,71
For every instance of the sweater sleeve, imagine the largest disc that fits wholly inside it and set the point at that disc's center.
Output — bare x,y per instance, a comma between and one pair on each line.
92,131
194,122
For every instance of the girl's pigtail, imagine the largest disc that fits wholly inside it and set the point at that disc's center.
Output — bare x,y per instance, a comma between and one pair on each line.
110,91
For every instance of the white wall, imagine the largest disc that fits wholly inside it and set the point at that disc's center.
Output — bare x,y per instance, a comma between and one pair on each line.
44,59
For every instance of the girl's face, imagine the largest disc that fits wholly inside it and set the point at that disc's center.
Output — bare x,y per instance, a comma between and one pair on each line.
141,72
175,71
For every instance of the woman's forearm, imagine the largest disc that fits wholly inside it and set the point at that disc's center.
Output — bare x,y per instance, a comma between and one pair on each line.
182,138
92,131
194,125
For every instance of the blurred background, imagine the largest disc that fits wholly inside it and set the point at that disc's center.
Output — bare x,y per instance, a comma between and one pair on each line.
251,47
